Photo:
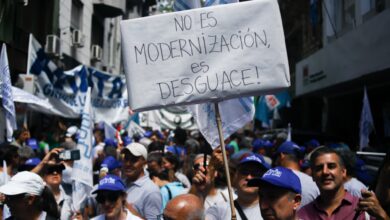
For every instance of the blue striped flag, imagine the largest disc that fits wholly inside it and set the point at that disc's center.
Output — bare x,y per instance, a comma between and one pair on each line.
8,101
235,114
82,169
366,122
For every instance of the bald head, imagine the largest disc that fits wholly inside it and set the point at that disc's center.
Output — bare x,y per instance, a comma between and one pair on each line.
186,206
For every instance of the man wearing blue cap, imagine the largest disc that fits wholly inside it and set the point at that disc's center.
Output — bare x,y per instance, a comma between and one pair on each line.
111,165
288,155
111,195
246,204
260,146
279,194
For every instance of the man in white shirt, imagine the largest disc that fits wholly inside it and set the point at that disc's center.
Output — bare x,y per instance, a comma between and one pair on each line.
247,202
288,155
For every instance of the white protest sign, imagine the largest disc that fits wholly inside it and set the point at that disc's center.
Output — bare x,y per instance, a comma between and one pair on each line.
206,54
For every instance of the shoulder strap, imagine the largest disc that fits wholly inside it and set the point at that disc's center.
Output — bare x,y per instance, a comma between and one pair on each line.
169,192
239,209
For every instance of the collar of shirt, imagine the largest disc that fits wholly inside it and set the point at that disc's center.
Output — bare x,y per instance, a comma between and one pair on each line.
140,181
347,200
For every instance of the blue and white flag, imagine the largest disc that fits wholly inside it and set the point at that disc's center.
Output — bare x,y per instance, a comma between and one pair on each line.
235,114
82,173
109,131
268,105
65,90
366,122
8,101
133,129
289,130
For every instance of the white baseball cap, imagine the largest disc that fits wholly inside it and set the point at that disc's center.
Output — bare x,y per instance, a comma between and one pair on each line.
72,130
24,182
137,150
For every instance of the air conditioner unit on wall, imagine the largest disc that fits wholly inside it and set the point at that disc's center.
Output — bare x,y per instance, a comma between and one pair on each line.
97,53
77,38
53,45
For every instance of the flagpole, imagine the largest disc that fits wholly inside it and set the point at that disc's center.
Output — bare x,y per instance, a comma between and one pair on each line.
27,113
29,53
225,160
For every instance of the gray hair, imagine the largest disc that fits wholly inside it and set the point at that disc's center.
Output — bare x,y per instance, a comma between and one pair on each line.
198,156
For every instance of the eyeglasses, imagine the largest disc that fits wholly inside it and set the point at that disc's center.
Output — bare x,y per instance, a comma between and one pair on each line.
13,198
163,217
110,197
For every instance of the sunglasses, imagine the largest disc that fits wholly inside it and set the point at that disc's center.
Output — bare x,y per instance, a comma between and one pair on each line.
110,197
53,170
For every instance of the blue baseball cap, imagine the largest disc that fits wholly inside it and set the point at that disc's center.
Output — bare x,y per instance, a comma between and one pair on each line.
255,158
110,142
127,140
313,143
148,134
280,177
32,142
110,183
289,147
305,164
260,143
111,163
32,161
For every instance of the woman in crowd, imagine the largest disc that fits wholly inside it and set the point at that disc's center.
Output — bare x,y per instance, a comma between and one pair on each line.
28,198
171,163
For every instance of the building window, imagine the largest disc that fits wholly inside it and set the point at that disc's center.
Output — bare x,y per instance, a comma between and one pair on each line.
348,14
366,6
76,15
369,8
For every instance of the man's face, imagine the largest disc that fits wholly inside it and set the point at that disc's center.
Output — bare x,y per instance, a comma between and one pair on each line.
199,165
154,166
132,166
327,172
244,173
111,203
24,136
277,203
17,204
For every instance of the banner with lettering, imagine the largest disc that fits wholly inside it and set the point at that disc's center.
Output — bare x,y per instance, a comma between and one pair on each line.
82,173
205,54
65,90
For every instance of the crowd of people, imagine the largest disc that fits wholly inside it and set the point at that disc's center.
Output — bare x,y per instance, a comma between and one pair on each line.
176,175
